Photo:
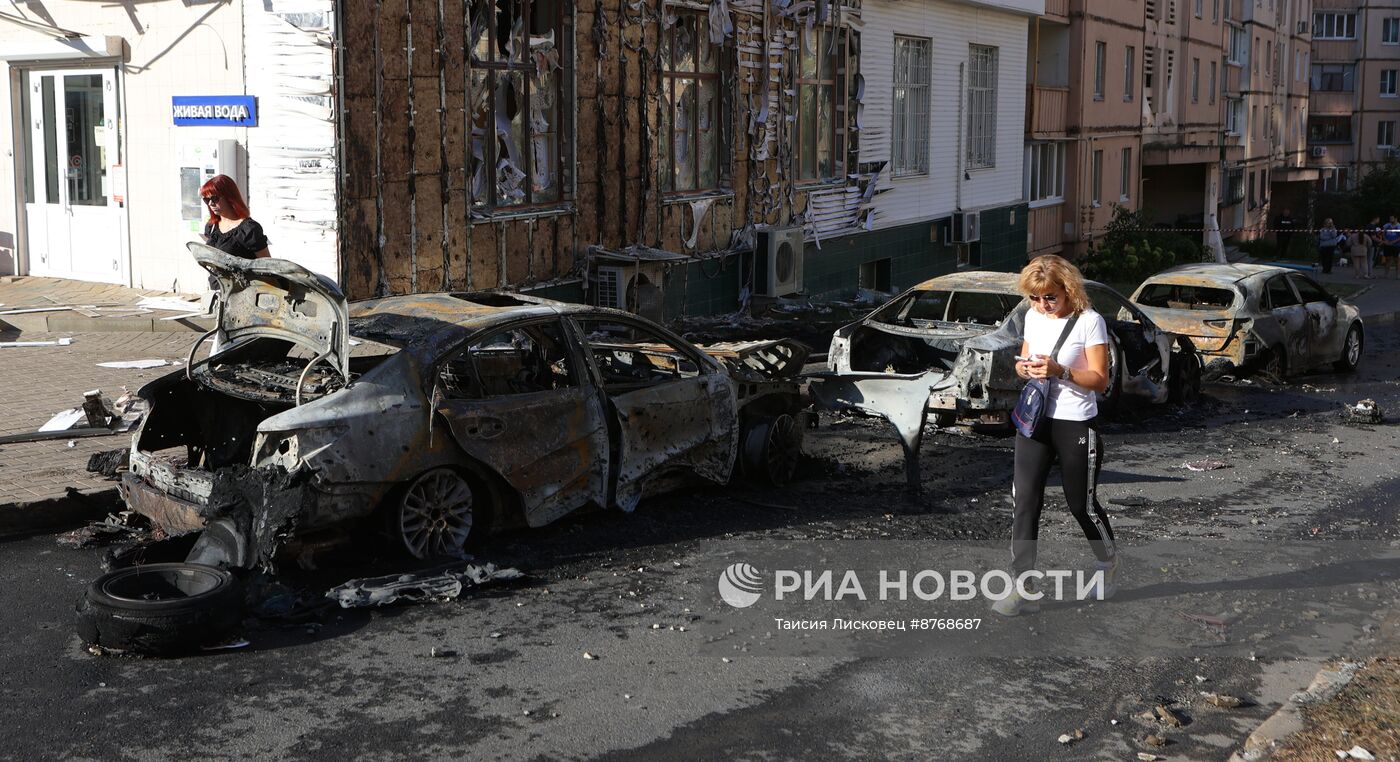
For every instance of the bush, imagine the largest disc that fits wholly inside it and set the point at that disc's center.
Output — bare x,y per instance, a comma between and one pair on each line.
1260,248
1131,250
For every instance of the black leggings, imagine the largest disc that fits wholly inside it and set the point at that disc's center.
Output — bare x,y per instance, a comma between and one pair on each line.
1076,445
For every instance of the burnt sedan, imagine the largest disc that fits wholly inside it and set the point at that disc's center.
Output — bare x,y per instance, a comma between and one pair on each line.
947,347
445,414
1255,317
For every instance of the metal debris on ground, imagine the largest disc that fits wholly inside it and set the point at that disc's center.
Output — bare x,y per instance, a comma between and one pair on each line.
109,462
1365,412
436,586
1158,741
135,364
1204,465
115,527
63,342
1168,715
1356,752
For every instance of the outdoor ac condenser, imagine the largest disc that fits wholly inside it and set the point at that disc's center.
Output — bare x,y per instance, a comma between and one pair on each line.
966,227
778,261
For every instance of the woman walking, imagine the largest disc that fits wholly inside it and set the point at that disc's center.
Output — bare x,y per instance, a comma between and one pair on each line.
230,227
1328,239
1066,342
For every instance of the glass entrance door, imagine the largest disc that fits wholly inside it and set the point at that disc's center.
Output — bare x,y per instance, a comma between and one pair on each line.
76,216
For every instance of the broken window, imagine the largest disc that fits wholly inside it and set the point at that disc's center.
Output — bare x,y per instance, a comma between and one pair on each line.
820,87
522,360
694,108
1179,297
515,96
629,356
1280,294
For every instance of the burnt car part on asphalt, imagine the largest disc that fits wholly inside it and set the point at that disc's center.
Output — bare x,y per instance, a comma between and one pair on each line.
434,585
1255,317
448,413
947,347
164,608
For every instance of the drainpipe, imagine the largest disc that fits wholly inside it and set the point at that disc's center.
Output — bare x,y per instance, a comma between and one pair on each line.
962,97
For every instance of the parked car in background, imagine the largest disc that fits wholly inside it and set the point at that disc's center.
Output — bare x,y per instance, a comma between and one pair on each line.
453,412
947,347
1255,316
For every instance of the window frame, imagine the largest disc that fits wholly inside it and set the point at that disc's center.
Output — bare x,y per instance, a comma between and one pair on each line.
901,123
579,366
836,83
1100,69
1125,178
983,156
1325,129
1390,30
1195,80
1214,77
562,123
1129,73
670,77
1388,77
1039,190
1324,19
1096,178
1385,127
1320,73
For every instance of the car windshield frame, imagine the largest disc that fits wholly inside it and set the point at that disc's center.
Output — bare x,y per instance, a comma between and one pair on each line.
897,312
1193,305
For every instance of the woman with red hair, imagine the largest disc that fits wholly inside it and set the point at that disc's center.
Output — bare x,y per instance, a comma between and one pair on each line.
229,228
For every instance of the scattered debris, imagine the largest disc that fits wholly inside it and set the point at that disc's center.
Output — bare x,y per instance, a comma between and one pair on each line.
1355,752
437,586
1205,465
589,656
1222,700
1146,757
1129,501
231,645
115,527
1069,738
1210,619
1168,715
1364,412
109,462
135,364
1158,741
441,653
63,342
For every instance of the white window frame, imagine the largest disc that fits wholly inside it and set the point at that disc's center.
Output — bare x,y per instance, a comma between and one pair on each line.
1390,31
1096,179
1195,80
1239,47
1100,69
1334,26
1129,73
1045,174
982,88
1385,133
1234,114
1387,83
1214,78
909,134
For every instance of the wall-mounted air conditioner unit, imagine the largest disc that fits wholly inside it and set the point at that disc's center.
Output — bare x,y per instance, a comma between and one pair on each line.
965,227
612,288
778,261
1319,151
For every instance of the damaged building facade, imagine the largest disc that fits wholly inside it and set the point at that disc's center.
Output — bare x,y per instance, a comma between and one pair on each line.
679,157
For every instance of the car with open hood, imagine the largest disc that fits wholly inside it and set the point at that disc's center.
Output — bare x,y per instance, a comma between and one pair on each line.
441,414
947,347
1250,316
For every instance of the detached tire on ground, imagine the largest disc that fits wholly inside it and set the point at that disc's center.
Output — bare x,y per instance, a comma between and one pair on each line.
160,608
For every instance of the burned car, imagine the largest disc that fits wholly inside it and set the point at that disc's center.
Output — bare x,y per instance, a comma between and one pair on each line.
439,414
1255,316
947,347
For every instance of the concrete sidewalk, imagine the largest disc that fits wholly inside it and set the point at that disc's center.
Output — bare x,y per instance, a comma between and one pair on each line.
55,305
45,484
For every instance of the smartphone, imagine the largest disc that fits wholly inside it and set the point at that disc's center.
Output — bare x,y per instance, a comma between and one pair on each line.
1022,359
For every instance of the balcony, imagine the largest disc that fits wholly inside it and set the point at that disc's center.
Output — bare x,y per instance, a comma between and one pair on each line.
1048,112
1046,226
1057,10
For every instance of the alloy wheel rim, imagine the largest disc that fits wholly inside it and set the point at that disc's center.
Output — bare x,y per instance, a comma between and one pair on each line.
436,515
782,454
1353,347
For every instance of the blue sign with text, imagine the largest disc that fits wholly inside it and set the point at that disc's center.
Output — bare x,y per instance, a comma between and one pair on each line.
214,110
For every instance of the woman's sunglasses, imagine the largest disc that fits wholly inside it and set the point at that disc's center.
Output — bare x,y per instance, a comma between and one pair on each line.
211,199
1047,298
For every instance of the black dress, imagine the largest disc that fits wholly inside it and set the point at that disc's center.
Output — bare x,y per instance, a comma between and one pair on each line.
244,241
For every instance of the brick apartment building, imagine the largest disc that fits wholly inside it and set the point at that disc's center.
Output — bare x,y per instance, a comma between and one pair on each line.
1355,57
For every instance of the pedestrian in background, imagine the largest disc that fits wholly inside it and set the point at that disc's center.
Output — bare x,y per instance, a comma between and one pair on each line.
1390,246
1360,254
231,228
1284,232
1328,239
1369,240
1062,315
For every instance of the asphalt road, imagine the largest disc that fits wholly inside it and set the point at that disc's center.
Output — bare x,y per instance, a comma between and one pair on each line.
1284,541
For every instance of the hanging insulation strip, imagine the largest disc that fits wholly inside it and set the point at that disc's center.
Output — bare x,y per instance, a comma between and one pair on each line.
292,151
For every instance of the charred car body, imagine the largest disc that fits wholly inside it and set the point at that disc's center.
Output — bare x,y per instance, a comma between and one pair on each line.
453,412
1255,316
947,346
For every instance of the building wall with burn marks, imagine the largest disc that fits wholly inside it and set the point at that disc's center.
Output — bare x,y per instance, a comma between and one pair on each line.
490,144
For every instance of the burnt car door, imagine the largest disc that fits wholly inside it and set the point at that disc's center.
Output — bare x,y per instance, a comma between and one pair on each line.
1324,337
1144,350
1292,318
517,399
674,409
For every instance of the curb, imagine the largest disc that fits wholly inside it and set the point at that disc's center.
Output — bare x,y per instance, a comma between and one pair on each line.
51,514
1288,720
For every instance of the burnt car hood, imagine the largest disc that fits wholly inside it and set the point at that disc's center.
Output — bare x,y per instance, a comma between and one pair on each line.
277,298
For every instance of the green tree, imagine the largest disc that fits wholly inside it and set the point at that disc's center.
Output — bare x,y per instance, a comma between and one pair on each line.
1131,249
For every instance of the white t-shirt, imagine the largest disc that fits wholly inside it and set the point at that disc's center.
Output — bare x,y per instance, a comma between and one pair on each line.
1068,401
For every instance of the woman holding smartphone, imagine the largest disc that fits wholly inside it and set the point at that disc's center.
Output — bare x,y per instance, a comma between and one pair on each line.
1060,308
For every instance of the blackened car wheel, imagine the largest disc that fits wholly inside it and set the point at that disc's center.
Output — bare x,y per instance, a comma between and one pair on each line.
1351,351
160,608
772,448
